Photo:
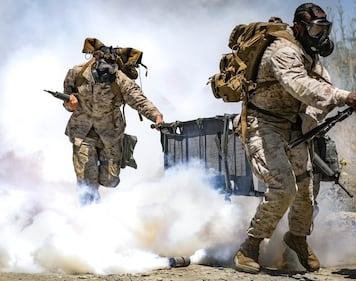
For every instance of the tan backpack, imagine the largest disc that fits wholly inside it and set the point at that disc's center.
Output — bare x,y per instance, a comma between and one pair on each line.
238,69
128,59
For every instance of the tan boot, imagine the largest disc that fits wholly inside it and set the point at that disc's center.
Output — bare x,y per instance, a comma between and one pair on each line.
246,258
305,254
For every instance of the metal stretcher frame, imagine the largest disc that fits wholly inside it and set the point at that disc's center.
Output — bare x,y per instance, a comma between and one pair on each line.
212,141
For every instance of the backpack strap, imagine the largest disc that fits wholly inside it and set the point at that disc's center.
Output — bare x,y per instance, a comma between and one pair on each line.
284,34
118,97
80,79
244,122
281,33
116,90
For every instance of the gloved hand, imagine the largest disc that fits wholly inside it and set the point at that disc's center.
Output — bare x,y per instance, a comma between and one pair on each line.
72,104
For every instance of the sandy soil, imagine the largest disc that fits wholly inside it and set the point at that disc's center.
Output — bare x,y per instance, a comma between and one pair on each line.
196,273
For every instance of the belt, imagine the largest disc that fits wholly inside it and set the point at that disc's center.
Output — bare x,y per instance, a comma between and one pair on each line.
254,107
295,126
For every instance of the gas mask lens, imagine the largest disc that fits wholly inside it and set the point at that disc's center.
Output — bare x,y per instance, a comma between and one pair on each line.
318,26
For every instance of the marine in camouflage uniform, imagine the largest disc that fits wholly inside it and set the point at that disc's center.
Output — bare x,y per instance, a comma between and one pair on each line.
96,126
293,90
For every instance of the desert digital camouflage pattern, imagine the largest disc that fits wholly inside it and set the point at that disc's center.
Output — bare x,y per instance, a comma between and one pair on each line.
99,106
286,91
290,83
98,123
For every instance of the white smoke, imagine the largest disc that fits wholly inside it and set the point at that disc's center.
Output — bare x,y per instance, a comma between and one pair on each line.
134,229
153,214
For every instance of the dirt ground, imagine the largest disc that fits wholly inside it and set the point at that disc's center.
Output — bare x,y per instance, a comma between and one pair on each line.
195,273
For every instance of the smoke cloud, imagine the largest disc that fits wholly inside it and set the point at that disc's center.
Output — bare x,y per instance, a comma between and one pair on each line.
153,214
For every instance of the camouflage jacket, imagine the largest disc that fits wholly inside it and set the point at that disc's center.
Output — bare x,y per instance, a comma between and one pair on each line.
99,106
289,81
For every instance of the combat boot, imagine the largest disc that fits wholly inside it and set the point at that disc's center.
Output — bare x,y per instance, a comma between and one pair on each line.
305,254
246,258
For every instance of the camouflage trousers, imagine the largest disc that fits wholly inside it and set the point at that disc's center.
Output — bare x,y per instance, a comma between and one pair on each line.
286,174
95,165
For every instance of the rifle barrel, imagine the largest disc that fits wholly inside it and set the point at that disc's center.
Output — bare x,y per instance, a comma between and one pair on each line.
344,189
323,128
329,172
323,166
58,95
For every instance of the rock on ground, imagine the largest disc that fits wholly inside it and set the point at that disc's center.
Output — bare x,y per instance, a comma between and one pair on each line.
195,273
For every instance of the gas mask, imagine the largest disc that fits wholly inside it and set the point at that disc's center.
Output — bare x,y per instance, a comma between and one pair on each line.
317,38
104,71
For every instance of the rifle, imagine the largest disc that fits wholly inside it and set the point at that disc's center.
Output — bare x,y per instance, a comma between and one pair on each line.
58,95
329,172
323,128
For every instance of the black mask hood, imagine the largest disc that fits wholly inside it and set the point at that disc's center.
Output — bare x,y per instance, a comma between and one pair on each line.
321,44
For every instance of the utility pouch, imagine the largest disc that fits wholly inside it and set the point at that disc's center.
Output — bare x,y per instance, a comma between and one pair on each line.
325,147
128,146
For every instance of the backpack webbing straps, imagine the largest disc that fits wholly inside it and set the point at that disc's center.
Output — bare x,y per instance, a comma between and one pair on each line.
244,121
80,79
